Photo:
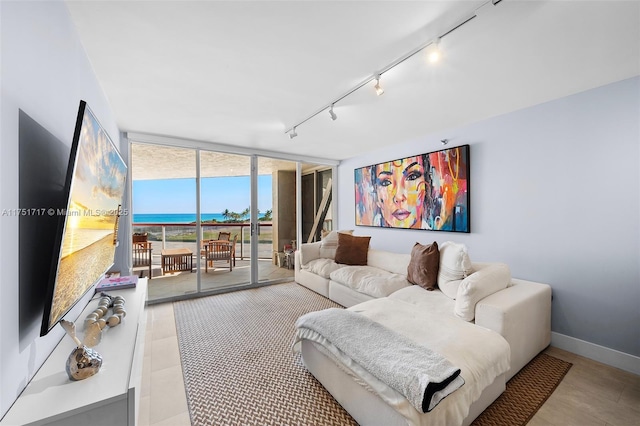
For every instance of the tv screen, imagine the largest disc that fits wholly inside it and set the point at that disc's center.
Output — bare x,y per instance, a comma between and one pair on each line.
87,232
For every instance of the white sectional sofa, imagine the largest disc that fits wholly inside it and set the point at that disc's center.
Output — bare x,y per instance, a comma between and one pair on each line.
518,310
521,312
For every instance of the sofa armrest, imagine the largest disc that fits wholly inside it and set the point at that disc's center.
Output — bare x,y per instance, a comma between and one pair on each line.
521,313
308,252
296,262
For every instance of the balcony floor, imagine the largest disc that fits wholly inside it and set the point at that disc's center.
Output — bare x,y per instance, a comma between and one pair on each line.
181,283
178,284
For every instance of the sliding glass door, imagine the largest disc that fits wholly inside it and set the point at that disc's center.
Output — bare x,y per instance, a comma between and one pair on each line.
207,222
276,221
164,205
225,206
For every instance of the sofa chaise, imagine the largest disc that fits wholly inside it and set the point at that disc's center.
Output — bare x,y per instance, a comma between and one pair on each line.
509,319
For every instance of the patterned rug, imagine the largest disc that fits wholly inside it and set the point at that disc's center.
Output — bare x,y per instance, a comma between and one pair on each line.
239,368
526,392
237,361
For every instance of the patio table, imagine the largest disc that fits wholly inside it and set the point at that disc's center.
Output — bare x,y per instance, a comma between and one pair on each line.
177,260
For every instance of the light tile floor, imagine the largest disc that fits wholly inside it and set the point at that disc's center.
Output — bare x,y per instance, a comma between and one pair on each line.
590,394
162,398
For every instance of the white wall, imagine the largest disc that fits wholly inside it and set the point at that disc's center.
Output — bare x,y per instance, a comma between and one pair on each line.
555,193
44,72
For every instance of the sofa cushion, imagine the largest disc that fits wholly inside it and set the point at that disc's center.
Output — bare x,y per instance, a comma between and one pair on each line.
434,302
329,243
489,279
369,280
309,252
455,264
392,262
450,288
323,267
424,265
352,250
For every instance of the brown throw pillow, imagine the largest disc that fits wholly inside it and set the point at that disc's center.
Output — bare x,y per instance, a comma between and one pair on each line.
424,264
352,250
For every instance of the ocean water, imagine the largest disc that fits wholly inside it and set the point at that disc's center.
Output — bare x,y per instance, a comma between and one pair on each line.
175,217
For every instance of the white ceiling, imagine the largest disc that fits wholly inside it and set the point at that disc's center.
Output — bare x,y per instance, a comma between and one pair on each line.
242,72
168,162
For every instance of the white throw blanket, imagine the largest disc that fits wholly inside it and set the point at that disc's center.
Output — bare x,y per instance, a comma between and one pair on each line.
423,376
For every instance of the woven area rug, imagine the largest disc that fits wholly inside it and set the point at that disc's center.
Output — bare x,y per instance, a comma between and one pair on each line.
239,368
525,393
237,361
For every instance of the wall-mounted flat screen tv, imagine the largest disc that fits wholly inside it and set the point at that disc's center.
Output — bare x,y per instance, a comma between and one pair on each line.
86,237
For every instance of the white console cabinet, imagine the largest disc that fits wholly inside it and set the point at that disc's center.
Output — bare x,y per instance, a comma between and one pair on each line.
110,397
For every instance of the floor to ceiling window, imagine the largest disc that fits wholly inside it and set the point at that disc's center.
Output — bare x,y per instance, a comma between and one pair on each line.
192,212
276,202
164,197
225,199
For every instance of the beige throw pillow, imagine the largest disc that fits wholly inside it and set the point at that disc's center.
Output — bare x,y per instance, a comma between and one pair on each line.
487,280
455,265
329,243
424,265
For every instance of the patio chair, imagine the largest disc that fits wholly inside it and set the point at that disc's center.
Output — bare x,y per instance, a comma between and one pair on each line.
222,236
219,250
233,250
141,254
140,237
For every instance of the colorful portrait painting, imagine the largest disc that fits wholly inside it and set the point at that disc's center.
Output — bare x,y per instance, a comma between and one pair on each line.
426,191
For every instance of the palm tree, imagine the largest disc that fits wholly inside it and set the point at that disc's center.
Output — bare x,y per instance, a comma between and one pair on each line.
267,215
226,214
245,212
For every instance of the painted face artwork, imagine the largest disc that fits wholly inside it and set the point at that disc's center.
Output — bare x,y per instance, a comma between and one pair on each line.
401,189
426,191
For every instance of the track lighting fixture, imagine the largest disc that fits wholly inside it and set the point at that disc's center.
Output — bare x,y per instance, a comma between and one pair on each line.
332,114
377,87
444,141
433,51
430,48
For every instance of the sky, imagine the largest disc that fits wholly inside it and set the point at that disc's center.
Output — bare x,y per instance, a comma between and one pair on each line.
218,194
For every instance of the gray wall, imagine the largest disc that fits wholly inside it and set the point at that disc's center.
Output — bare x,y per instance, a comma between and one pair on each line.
555,194
44,72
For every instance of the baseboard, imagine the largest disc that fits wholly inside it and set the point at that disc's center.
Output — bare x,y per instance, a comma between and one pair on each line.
598,353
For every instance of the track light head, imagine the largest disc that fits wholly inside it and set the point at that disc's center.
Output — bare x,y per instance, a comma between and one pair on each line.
433,51
444,141
379,90
293,133
332,114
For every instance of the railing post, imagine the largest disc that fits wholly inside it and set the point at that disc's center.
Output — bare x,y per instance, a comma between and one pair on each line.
241,242
163,237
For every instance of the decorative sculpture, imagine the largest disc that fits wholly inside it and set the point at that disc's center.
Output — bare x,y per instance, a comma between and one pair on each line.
83,362
96,317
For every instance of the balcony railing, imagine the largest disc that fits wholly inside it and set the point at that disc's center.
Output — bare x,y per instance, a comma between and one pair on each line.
175,233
